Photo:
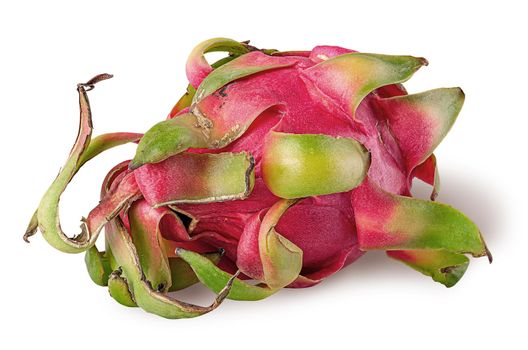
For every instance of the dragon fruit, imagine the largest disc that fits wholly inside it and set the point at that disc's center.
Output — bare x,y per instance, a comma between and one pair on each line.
276,167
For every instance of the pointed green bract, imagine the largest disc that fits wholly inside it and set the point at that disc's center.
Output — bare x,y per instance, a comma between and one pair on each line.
240,67
296,166
350,77
168,138
421,121
215,278
391,222
435,225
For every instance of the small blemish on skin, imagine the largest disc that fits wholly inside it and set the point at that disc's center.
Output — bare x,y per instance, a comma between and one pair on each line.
222,92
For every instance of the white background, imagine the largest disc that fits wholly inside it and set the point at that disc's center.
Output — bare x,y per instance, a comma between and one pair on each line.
47,299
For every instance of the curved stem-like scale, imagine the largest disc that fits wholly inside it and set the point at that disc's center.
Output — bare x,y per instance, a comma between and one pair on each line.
48,211
142,292
295,166
215,278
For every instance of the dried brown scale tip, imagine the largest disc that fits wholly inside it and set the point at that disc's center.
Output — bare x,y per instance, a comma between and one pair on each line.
32,228
487,251
488,254
90,83
448,269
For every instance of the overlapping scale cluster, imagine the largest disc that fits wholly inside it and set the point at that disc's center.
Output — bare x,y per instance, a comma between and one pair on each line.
279,167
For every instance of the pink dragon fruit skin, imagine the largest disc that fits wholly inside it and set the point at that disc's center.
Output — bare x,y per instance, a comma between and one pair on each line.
292,164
